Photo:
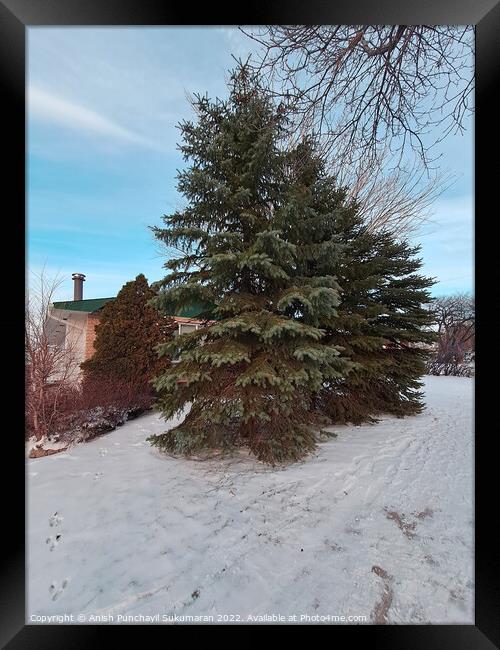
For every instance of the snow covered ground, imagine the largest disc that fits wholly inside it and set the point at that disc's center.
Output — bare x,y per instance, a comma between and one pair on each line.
377,524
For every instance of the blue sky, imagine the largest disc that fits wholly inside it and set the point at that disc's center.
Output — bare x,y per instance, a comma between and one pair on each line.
103,105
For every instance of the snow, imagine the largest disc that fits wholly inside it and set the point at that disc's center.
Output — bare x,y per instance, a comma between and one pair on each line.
44,443
378,524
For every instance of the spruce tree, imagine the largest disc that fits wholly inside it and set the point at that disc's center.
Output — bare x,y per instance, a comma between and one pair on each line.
127,335
249,377
381,320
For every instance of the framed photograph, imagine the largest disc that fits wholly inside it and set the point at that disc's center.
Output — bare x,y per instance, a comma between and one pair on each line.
250,386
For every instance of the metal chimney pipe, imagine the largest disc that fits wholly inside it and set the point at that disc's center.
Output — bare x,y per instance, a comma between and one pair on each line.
78,280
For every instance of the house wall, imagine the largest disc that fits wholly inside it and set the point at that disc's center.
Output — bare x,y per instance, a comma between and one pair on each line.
184,325
75,339
80,334
187,324
90,334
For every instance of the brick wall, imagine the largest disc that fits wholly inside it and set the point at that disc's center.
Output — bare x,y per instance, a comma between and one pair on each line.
92,321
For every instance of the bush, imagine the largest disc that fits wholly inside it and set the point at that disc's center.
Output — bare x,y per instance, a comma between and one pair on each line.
128,332
452,368
86,411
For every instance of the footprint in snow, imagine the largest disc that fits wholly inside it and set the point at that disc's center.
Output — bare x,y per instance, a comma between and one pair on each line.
53,541
55,591
56,519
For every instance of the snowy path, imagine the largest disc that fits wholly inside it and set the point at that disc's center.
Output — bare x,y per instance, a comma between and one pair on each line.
379,523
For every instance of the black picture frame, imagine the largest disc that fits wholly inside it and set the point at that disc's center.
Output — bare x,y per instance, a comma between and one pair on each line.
15,17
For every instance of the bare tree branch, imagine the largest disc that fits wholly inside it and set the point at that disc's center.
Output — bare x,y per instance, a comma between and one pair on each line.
362,88
399,200
51,358
455,318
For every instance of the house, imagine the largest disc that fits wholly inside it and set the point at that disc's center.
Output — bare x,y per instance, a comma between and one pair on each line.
71,324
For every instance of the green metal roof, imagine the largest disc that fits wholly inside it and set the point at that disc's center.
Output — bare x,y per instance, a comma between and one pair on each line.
89,306
94,304
189,311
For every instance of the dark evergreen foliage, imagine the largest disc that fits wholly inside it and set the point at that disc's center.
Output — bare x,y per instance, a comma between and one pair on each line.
249,377
382,324
126,337
315,315
384,329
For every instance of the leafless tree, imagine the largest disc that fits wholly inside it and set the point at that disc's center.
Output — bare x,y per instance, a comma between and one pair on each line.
50,356
365,87
399,200
455,318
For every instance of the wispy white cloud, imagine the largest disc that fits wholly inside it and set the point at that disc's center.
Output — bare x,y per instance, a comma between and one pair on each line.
241,45
121,86
448,244
47,107
452,225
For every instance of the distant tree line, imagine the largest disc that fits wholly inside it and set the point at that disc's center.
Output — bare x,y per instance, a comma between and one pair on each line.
456,326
